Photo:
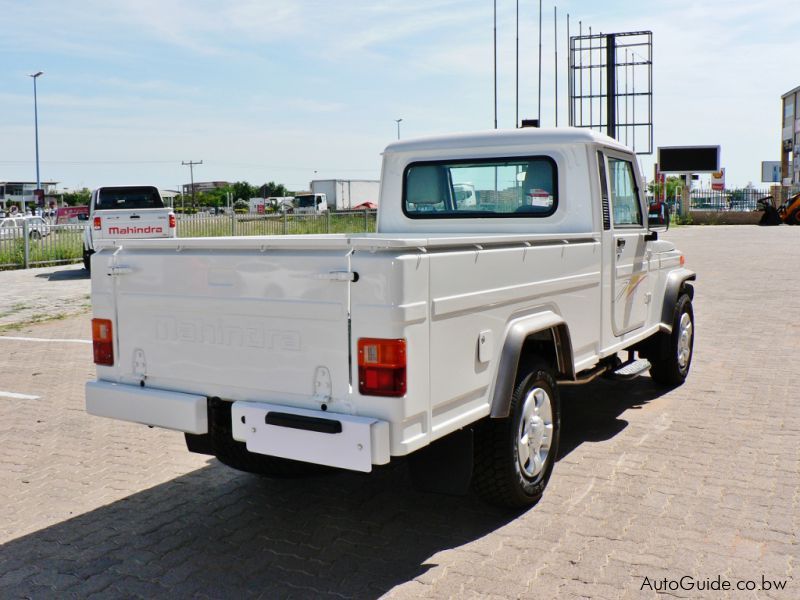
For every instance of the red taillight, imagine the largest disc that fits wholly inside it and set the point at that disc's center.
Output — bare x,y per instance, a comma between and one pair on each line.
171,221
98,223
103,342
382,367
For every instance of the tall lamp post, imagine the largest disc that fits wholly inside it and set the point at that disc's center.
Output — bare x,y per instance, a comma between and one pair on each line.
398,127
35,76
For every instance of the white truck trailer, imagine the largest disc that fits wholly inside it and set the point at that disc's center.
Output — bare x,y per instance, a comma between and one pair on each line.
446,335
346,194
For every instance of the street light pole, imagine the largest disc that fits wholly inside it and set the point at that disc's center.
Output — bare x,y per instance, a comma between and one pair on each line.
398,127
35,76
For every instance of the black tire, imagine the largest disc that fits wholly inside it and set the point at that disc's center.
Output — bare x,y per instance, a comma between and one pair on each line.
795,218
219,442
35,234
499,476
667,367
87,260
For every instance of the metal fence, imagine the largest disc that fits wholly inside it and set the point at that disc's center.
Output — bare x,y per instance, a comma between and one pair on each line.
37,246
202,225
744,200
25,247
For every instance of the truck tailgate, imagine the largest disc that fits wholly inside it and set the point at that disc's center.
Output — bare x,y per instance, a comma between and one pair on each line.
120,224
238,324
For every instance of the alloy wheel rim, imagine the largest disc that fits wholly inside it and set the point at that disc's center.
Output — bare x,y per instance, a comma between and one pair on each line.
535,434
685,331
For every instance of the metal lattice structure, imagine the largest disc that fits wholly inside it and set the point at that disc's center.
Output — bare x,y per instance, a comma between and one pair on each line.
611,86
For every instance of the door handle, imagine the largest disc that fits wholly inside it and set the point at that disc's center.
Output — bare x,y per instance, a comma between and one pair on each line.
620,243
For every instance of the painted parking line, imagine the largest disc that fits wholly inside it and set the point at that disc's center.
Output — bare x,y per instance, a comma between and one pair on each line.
15,396
30,339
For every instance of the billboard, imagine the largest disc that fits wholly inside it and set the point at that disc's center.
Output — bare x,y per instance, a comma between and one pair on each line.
688,159
771,171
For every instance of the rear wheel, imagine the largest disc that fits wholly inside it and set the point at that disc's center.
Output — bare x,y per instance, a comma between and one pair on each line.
514,456
671,354
795,218
35,234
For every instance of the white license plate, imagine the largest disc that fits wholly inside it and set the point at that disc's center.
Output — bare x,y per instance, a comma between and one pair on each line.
323,438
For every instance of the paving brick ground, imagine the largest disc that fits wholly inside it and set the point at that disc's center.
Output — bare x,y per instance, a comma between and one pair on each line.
47,292
701,481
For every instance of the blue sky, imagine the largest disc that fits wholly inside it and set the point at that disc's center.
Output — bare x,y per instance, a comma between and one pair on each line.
290,91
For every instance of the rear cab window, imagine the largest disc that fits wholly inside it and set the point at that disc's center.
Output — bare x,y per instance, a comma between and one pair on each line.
518,187
110,198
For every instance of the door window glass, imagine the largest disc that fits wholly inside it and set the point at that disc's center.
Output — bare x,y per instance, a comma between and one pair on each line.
624,194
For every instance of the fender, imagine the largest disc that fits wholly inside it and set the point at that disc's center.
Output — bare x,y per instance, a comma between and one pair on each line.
517,333
675,282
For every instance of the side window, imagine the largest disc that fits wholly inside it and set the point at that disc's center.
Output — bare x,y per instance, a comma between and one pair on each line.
517,187
624,194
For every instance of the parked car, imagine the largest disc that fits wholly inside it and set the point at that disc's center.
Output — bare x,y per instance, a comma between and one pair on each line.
13,227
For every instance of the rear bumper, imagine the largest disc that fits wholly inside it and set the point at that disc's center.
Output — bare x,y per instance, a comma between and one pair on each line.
171,410
324,438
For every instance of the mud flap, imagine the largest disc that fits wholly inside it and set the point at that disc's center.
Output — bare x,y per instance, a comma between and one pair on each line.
445,466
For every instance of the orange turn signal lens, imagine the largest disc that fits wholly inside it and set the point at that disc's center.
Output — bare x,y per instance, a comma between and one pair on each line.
102,342
683,260
382,367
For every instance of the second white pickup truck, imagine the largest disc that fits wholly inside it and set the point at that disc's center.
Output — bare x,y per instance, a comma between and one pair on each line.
126,213
445,336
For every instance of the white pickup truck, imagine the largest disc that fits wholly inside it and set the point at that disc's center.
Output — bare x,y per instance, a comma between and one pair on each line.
445,336
126,213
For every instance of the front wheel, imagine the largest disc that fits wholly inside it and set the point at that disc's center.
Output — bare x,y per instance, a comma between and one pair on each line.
672,352
87,260
514,456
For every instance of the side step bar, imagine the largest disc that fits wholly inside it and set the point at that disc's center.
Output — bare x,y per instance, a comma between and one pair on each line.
631,369
620,372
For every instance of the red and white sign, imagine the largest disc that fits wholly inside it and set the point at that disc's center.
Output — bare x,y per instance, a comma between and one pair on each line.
540,197
71,214
661,182
718,180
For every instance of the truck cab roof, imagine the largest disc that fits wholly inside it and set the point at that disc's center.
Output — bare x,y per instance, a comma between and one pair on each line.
551,174
505,137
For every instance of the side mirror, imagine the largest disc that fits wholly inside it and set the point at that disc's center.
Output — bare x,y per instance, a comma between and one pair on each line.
658,217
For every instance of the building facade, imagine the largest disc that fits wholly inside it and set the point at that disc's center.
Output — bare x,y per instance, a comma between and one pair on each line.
20,193
790,138
203,186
